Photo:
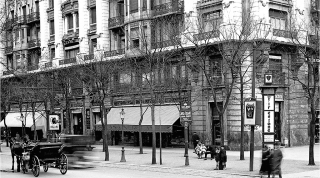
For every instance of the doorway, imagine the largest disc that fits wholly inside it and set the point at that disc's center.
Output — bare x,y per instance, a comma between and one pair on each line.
216,123
277,121
78,123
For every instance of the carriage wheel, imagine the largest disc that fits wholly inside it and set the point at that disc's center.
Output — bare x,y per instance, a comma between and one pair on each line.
45,167
35,166
63,164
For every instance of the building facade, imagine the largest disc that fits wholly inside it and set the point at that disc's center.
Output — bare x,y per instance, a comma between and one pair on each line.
62,35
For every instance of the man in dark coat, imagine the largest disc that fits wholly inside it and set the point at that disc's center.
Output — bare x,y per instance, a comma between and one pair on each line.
195,139
265,165
223,158
210,150
276,160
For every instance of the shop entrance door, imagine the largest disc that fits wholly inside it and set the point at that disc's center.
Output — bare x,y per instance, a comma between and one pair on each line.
277,121
216,124
78,124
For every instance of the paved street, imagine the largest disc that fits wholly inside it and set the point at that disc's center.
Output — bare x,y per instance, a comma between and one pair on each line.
294,164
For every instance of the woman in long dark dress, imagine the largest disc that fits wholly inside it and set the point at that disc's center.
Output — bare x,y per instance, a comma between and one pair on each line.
265,166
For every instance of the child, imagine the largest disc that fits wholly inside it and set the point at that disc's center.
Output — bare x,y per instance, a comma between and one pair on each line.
203,150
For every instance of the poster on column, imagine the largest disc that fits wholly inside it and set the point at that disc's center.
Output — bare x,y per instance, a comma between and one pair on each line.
268,122
53,122
268,102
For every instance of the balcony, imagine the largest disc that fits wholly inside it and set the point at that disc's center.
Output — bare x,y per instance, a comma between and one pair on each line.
91,3
22,19
51,39
70,37
92,29
34,43
206,3
285,33
8,72
115,22
69,6
88,57
76,92
33,17
170,7
206,35
32,67
282,2
114,52
163,44
68,61
8,50
48,64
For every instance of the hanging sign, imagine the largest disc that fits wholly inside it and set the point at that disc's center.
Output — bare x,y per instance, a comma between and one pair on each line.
250,112
53,122
268,102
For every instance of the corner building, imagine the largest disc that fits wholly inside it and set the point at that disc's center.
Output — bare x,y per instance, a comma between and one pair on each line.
58,36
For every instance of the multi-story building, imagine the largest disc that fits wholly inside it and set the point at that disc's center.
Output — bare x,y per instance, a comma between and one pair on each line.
55,35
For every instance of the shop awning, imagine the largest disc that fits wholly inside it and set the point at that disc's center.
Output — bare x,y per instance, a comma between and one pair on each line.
13,120
168,115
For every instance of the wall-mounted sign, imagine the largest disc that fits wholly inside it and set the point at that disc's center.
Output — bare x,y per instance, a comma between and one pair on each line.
268,102
53,122
268,138
268,79
250,112
268,126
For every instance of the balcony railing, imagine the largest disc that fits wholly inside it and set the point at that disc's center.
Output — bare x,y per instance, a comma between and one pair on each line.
8,72
48,64
51,38
170,7
34,43
114,52
91,3
206,35
22,19
163,44
34,16
88,57
93,28
33,67
68,61
116,21
8,49
76,92
285,33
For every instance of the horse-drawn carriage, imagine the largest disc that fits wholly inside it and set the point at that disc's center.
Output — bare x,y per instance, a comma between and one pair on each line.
47,155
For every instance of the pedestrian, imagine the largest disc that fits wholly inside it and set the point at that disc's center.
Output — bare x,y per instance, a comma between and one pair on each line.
217,158
276,156
195,139
210,150
265,163
223,158
17,138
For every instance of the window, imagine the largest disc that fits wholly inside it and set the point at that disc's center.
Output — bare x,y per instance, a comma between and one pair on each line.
93,18
71,53
275,67
93,46
216,69
77,20
37,6
135,43
69,21
51,3
133,6
134,36
51,26
278,19
52,53
10,62
144,5
212,20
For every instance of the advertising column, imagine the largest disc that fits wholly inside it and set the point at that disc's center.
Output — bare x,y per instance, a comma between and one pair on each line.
268,99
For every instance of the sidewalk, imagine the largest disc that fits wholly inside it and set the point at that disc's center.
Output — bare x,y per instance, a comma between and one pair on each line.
295,163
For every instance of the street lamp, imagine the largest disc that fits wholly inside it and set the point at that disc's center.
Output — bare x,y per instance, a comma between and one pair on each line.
122,113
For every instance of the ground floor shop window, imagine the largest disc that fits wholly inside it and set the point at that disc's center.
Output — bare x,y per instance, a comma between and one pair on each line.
78,123
216,123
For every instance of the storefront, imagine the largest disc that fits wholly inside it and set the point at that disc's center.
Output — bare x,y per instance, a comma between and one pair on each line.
166,122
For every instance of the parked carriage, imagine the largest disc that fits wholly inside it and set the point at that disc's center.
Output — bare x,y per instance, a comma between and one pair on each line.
40,154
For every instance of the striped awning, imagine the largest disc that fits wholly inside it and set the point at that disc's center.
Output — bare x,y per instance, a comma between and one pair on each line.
165,117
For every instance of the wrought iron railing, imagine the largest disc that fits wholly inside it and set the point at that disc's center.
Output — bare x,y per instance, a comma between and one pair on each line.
114,52
116,21
33,67
68,61
51,39
88,57
34,16
174,6
48,64
285,33
166,43
34,43
206,35
22,19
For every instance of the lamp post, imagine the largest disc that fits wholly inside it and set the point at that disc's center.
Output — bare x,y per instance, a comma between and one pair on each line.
122,113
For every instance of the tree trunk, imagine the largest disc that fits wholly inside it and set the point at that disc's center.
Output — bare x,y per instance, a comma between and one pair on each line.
105,139
154,159
140,127
312,132
221,128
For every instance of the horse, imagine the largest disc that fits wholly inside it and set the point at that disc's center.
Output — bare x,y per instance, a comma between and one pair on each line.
16,150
